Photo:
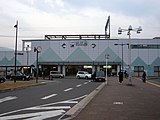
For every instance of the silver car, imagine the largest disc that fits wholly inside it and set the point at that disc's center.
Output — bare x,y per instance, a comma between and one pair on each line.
55,74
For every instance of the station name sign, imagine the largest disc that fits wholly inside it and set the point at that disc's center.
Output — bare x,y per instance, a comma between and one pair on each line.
79,43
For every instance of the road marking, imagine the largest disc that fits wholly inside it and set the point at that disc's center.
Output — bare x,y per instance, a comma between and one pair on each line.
49,96
43,82
8,98
48,108
68,89
34,116
79,85
153,84
85,83
40,112
118,103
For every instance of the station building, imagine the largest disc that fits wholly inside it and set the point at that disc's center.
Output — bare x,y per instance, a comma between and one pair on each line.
71,53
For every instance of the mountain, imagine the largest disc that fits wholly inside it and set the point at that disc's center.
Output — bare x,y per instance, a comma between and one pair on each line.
6,49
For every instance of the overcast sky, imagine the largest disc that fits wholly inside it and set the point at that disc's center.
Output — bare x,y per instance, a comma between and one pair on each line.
40,17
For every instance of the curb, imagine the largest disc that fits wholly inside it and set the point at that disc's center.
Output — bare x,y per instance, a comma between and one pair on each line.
75,110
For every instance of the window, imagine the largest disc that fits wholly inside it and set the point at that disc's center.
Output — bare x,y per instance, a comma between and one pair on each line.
138,70
145,46
156,70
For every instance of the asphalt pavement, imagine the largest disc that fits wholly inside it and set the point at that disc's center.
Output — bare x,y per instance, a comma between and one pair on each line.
116,101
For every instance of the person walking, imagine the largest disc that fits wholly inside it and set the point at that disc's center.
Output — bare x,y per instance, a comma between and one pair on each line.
120,76
144,76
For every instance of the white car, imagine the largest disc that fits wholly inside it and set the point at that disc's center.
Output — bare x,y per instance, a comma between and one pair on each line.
83,74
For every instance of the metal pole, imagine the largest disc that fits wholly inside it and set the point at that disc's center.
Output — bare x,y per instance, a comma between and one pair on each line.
106,70
129,61
122,56
27,53
15,64
37,68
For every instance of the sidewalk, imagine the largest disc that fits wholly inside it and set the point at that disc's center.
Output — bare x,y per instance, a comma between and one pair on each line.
122,102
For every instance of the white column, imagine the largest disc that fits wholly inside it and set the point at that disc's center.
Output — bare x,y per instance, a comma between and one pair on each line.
118,69
59,68
64,70
98,68
93,68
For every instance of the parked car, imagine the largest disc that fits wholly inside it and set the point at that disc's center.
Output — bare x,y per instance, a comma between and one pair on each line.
98,76
2,79
55,74
83,74
19,76
8,76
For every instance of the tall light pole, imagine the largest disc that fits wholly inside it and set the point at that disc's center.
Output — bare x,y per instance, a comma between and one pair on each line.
37,50
138,30
27,50
107,57
122,44
15,53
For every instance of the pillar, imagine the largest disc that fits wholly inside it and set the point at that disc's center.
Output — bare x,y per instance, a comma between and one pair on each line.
98,68
59,68
118,69
93,68
64,70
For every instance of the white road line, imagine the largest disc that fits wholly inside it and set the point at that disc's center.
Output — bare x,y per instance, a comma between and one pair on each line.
153,84
85,83
49,96
34,116
79,85
41,112
68,89
8,98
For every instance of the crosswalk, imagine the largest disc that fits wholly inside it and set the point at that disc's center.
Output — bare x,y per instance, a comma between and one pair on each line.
7,98
50,110
41,112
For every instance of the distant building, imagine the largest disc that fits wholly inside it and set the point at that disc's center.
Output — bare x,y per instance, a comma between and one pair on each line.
71,53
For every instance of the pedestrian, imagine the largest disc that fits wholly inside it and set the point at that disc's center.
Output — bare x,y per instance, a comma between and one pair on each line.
120,76
125,74
144,76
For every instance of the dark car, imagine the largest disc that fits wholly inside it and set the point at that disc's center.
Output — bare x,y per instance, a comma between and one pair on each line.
8,76
98,76
2,79
20,76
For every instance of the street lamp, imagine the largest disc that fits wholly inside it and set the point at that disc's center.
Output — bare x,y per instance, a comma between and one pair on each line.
107,57
37,50
138,30
15,64
122,44
27,50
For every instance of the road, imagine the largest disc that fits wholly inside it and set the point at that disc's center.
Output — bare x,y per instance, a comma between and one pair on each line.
49,101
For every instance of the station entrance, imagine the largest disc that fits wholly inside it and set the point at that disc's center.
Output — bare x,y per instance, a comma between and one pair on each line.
71,70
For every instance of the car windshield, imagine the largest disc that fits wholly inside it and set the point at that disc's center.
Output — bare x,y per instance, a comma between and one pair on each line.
100,73
55,72
86,72
18,73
